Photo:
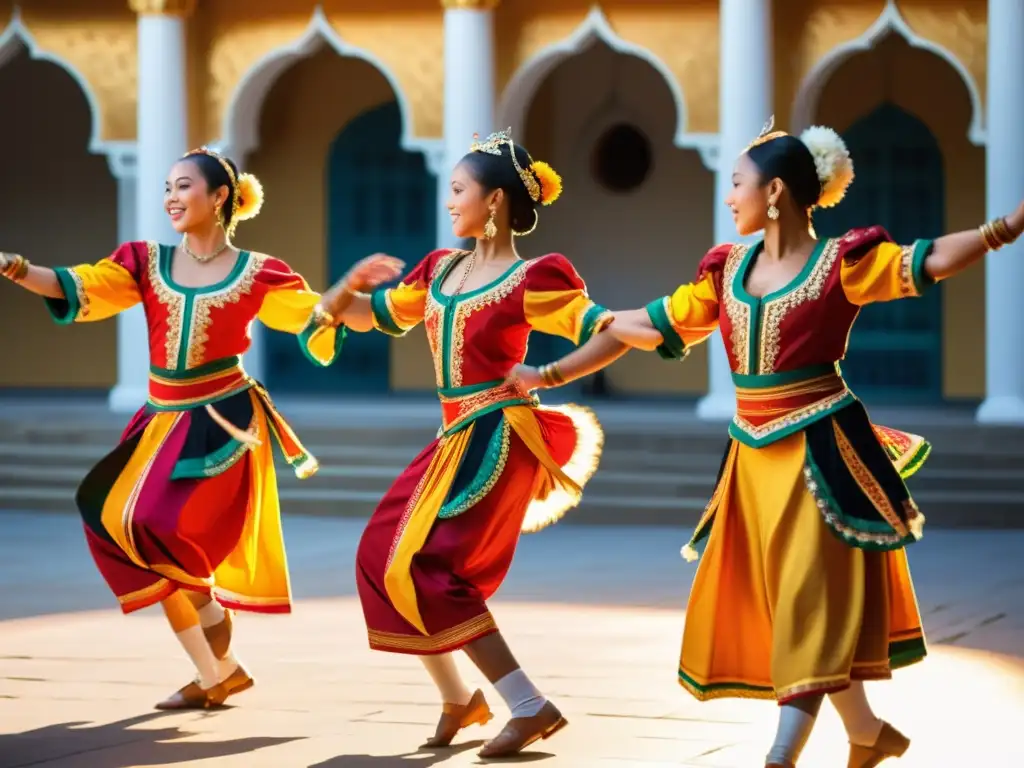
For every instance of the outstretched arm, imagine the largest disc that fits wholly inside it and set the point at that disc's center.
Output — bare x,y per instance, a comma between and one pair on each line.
41,281
348,302
955,252
634,328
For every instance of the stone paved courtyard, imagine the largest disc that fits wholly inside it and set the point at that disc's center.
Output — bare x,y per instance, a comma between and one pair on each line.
594,614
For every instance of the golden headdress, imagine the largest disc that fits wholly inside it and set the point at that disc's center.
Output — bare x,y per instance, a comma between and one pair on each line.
246,190
542,183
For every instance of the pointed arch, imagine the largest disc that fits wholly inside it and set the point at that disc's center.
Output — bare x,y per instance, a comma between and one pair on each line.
16,38
240,126
889,22
514,104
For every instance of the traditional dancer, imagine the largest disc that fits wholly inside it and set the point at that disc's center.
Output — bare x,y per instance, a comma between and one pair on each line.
442,539
186,506
804,588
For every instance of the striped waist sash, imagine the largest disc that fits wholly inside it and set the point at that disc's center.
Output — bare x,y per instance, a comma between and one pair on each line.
461,405
196,387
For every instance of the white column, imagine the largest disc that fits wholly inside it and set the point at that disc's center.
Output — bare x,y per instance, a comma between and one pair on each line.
1004,191
132,337
162,139
745,102
468,91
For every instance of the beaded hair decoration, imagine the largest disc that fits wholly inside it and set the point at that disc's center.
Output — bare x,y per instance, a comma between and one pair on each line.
246,190
542,183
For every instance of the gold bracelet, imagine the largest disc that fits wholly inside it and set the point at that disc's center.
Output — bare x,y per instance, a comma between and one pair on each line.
322,318
17,269
996,233
551,375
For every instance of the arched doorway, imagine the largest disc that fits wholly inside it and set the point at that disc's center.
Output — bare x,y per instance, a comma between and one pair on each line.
348,190
380,198
49,176
636,215
895,350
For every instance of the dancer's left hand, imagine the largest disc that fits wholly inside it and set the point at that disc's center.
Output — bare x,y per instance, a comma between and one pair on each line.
525,378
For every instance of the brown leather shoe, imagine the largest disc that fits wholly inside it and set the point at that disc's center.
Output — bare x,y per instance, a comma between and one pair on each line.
521,732
455,717
192,696
219,636
238,681
890,743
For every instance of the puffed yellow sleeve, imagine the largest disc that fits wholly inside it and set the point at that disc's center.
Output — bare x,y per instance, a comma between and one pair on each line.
289,306
396,311
99,291
556,301
885,272
686,317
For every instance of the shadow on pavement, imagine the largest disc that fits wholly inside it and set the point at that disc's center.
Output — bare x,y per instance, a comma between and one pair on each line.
423,757
118,745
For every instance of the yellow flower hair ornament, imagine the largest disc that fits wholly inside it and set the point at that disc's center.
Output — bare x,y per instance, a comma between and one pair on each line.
250,197
550,182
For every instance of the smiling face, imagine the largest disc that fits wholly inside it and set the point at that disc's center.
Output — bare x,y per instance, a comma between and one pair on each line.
469,204
189,201
749,198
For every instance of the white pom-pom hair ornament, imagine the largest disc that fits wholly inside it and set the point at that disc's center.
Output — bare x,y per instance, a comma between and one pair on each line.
832,162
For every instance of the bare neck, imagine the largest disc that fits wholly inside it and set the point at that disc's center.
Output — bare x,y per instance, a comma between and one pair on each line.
495,250
788,238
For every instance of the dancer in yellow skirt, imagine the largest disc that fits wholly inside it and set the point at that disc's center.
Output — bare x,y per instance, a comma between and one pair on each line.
804,588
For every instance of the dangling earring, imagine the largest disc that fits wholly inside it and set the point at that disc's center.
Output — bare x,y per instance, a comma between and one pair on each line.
490,228
773,212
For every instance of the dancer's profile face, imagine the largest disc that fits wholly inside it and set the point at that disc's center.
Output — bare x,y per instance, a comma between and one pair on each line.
188,199
468,204
748,198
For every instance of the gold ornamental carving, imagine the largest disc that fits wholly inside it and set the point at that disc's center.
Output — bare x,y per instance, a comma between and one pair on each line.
470,5
162,7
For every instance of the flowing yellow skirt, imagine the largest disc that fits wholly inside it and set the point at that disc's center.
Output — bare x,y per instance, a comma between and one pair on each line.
780,606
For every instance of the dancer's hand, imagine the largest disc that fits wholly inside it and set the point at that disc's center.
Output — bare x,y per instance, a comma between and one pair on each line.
1015,221
373,271
525,378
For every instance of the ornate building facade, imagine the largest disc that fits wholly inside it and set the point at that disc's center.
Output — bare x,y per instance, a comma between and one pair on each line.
352,112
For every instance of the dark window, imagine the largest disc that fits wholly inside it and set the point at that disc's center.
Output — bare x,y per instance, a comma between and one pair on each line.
622,158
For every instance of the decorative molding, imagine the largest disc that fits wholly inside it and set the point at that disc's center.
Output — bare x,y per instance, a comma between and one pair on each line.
515,101
17,38
890,21
240,127
178,8
469,5
123,159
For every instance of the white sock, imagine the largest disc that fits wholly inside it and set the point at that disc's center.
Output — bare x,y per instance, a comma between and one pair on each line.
520,694
226,667
212,614
446,677
862,725
795,728
195,645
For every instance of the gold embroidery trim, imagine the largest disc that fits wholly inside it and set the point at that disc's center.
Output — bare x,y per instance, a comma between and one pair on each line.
172,300
776,309
466,405
204,303
791,417
463,309
434,315
457,635
867,482
737,311
907,287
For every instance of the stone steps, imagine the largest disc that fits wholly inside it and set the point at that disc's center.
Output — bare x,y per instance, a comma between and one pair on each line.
658,467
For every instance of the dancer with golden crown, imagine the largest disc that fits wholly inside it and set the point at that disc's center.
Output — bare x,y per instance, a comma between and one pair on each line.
184,511
804,588
442,539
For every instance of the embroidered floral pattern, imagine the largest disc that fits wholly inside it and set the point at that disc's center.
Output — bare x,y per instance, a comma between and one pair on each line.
867,482
173,301
199,323
737,311
776,309
907,286
466,307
